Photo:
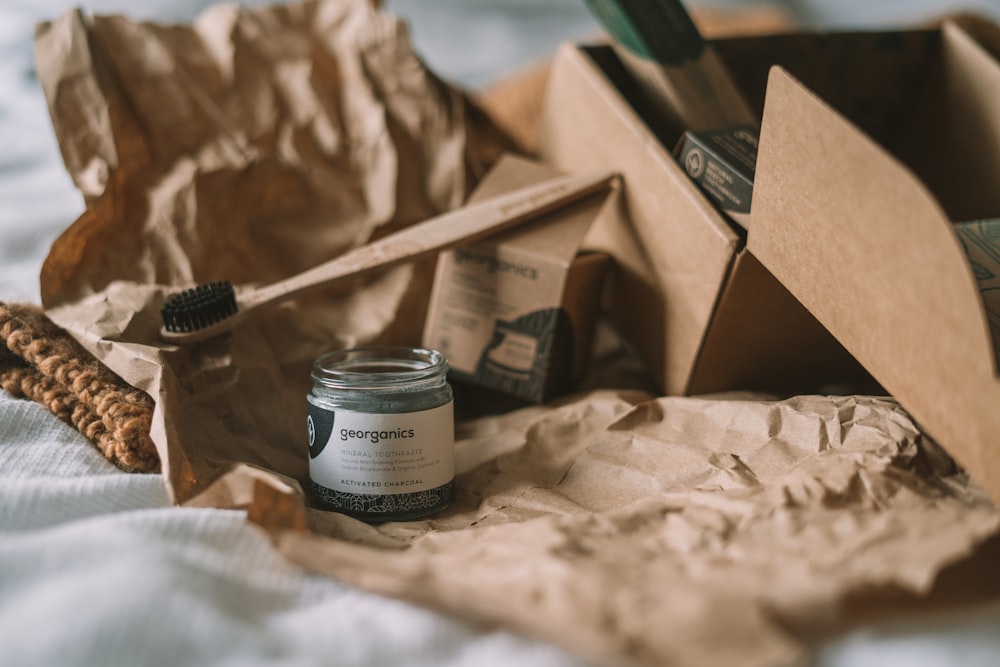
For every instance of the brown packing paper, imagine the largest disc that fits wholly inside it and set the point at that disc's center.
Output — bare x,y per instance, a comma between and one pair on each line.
243,122
627,528
249,146
673,531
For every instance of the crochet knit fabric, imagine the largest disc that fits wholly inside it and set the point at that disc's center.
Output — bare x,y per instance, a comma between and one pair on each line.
41,362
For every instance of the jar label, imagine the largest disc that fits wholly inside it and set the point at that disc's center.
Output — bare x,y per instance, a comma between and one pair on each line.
381,454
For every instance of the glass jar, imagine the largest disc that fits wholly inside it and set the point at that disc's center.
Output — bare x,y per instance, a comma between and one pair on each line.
381,433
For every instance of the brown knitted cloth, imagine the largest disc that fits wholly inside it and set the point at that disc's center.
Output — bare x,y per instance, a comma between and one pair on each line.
40,361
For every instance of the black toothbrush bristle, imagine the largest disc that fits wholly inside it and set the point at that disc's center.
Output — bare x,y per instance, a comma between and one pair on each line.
199,307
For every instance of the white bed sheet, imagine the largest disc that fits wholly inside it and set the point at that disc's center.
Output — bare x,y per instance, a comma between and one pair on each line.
96,568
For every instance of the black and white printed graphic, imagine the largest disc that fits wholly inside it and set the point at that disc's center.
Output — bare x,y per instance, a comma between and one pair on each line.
320,425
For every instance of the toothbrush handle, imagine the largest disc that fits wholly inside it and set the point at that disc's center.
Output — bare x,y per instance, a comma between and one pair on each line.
460,226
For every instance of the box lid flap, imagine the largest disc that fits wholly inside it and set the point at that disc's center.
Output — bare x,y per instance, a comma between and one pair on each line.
860,241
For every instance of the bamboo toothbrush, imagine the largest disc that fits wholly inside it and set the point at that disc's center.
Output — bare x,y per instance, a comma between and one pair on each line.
214,308
660,45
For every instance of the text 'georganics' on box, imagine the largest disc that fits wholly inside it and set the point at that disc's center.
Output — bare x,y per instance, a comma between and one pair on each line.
515,313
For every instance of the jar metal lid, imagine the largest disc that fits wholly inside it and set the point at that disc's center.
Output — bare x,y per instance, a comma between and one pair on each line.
377,366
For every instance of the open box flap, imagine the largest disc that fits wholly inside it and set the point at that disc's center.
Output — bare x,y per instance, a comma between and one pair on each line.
859,240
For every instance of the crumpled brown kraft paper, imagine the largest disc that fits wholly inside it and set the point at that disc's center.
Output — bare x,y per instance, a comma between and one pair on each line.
628,528
674,531
249,146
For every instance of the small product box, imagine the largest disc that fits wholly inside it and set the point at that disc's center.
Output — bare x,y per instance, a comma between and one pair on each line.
516,313
722,163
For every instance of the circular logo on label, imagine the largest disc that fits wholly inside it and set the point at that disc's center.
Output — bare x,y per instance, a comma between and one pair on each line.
694,162
320,424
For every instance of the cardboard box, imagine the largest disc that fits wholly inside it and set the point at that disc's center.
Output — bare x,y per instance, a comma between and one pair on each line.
850,252
516,313
700,310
